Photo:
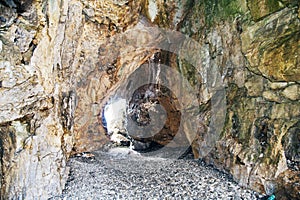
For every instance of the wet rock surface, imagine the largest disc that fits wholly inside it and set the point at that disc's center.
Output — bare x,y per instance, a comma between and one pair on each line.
120,173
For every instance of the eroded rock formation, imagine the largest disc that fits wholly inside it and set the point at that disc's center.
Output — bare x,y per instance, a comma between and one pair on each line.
61,61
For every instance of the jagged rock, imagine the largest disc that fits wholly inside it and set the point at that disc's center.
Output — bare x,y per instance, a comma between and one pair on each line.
255,86
292,92
7,16
34,162
147,101
61,61
260,9
277,85
277,56
271,96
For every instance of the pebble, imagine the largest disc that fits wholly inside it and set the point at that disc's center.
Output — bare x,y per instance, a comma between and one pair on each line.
127,176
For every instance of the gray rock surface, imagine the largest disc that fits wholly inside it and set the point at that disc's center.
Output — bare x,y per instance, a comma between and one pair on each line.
121,173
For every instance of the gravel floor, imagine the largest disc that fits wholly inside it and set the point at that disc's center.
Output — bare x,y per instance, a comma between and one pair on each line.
124,174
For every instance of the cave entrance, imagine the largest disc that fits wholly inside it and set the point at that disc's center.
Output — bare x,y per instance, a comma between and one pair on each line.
148,121
145,113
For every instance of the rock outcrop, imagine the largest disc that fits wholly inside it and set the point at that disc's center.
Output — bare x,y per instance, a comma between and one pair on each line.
61,61
262,110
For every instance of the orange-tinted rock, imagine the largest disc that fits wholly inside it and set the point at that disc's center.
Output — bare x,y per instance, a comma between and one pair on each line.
272,46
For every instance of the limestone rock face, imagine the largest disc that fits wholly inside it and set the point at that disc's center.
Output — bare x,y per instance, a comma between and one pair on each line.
117,15
34,140
260,91
272,46
260,9
62,61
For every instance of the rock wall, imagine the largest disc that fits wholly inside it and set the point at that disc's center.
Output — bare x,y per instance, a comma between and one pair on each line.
62,60
256,46
35,142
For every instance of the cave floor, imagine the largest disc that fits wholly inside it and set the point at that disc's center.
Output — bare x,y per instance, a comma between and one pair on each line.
120,173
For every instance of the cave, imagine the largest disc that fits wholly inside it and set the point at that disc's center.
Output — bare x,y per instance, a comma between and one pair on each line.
213,82
143,112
